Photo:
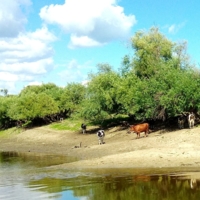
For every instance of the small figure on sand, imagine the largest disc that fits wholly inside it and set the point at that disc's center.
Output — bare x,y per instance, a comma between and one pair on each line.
83,127
101,135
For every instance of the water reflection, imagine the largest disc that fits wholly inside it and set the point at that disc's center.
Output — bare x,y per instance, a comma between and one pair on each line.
34,159
137,187
20,181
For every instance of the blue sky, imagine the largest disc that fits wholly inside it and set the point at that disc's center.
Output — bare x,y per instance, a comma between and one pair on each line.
61,41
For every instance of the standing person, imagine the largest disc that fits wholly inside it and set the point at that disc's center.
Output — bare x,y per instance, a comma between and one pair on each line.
83,126
101,135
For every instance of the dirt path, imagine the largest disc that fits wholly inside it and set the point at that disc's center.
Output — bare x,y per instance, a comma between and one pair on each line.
160,150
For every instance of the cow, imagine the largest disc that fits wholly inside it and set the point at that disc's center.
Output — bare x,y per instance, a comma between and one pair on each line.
101,135
191,120
139,128
181,121
83,127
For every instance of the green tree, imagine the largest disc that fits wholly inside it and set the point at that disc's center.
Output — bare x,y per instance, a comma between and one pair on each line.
72,96
159,80
101,97
31,106
49,88
125,65
4,91
152,50
180,91
5,104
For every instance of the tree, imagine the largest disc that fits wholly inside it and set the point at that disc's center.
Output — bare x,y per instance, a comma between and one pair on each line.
152,50
104,68
72,97
31,106
49,88
137,96
125,66
5,104
158,81
4,91
101,97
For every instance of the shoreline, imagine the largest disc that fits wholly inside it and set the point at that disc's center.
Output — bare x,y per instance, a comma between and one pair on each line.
177,149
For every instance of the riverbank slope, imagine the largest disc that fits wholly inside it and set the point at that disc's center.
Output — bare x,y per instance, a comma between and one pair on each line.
161,149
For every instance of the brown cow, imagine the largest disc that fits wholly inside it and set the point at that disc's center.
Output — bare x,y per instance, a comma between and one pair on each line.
139,128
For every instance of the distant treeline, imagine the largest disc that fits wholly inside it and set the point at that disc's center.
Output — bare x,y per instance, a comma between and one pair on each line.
156,81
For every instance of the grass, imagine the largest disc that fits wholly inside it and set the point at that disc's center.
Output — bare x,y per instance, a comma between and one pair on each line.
68,124
74,124
10,131
71,124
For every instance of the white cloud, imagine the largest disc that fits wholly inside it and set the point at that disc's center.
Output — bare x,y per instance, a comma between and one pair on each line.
174,28
82,41
26,56
8,77
7,85
85,83
27,52
12,19
90,22
35,83
74,72
171,29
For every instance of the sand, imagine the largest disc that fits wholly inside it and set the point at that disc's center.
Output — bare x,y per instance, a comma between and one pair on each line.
161,149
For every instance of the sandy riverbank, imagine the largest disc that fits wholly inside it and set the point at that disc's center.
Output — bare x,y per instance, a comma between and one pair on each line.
180,148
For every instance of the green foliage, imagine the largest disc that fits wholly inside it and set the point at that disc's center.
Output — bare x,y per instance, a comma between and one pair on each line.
70,124
50,89
126,66
72,97
157,81
31,105
101,98
153,50
104,68
5,104
10,131
4,91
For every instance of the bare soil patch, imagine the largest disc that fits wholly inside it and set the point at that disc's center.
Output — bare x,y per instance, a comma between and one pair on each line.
160,149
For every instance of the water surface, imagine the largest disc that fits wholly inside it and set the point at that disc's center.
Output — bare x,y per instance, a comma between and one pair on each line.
27,176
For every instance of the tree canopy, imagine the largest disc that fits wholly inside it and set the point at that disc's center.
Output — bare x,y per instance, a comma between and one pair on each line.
157,81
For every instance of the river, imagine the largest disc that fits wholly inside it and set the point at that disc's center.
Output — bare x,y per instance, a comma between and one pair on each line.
28,177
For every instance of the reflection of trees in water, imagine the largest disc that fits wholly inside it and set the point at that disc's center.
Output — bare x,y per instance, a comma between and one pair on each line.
35,159
8,157
129,187
110,186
